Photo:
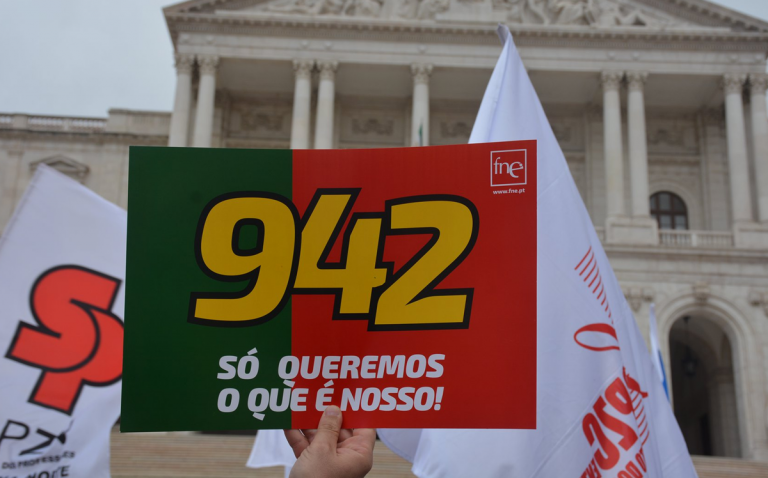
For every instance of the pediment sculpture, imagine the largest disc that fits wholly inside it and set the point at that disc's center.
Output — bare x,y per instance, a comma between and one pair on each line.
595,13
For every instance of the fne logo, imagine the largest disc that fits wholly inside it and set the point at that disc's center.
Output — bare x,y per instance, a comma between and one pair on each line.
509,168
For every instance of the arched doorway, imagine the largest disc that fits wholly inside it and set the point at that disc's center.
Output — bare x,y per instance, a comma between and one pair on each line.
703,386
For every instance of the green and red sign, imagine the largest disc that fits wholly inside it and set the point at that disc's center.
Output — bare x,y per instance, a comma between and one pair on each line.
265,285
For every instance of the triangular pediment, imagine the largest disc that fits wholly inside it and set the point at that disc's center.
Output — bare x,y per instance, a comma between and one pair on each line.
653,14
64,165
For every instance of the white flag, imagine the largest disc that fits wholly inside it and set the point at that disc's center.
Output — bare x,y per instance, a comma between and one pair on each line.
62,263
601,412
271,449
658,361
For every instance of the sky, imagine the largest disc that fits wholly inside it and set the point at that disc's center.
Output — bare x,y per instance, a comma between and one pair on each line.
83,57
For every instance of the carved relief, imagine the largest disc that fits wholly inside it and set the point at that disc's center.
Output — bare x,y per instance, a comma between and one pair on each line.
672,136
259,119
450,126
365,123
373,125
635,296
64,165
254,121
759,299
360,8
456,129
701,292
596,13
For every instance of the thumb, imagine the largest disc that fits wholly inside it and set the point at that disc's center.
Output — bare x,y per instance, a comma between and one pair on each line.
329,427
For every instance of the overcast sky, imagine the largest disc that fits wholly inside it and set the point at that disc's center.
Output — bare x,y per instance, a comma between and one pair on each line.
82,57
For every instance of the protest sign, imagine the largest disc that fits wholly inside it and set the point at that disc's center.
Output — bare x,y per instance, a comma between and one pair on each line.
62,260
399,284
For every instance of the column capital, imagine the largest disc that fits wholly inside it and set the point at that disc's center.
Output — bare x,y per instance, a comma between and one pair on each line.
611,80
327,69
758,82
184,63
421,72
734,83
303,68
636,80
207,64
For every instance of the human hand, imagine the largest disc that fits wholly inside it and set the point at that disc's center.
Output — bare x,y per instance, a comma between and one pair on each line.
329,451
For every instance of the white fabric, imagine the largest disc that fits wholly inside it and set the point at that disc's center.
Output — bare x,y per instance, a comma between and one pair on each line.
571,378
58,222
658,363
271,449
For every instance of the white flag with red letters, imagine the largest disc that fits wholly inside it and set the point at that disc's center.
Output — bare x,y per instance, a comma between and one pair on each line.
601,411
62,263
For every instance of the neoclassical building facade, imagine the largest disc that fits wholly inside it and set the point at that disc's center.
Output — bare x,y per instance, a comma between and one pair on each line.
659,106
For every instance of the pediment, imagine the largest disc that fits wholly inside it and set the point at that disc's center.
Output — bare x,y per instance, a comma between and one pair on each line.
653,14
64,165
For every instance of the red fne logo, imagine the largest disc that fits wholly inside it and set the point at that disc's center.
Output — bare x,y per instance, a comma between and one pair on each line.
509,168
78,340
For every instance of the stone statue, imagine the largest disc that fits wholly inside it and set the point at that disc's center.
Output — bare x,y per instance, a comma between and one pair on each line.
606,13
571,12
407,9
429,8
362,8
537,10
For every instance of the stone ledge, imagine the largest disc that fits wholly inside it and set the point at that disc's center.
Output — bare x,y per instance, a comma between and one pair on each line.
631,231
750,235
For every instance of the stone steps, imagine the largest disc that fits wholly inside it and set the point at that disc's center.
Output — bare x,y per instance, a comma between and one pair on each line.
712,467
154,455
181,455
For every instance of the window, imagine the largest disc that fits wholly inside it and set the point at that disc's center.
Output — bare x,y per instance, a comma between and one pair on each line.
669,210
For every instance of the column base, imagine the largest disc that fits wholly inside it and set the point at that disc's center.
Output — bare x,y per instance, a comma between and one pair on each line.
750,235
642,231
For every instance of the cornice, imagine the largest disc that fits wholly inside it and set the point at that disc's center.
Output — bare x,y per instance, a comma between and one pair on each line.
314,27
687,254
101,137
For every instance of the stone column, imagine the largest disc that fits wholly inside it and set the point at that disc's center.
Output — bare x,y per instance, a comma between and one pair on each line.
614,160
758,83
638,147
180,115
326,92
205,101
302,98
741,206
420,116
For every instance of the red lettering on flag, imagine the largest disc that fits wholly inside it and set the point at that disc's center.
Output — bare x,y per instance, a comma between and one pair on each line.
78,340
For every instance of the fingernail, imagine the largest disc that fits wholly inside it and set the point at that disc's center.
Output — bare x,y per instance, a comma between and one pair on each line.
332,411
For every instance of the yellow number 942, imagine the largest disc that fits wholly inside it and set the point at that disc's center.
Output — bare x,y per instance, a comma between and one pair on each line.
290,256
